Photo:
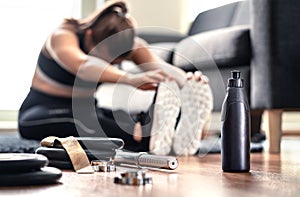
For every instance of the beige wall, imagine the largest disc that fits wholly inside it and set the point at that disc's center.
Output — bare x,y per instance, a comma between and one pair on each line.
162,13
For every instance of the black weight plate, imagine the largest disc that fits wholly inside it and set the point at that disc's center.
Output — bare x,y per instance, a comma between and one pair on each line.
97,143
46,175
66,165
21,162
60,154
100,143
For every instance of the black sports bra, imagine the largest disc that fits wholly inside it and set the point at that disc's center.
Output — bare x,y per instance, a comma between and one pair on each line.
55,71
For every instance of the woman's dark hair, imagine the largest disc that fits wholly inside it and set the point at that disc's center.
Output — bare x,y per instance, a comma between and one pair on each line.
110,25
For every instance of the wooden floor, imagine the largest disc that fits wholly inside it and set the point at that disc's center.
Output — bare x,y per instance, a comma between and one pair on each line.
270,175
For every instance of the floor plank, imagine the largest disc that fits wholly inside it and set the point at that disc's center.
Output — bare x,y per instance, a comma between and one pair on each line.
270,175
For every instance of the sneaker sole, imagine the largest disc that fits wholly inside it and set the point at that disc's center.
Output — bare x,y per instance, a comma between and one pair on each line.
166,110
196,107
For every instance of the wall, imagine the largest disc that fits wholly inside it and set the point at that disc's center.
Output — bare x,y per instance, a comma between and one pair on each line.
174,14
87,7
162,13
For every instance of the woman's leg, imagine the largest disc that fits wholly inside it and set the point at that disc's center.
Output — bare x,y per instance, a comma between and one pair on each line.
39,122
120,124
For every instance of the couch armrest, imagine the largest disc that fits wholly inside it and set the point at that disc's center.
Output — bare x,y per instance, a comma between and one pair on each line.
224,47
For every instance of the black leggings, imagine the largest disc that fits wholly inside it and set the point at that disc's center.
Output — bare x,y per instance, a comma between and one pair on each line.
42,115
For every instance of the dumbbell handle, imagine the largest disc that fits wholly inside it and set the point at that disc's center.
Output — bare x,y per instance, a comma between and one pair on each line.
144,160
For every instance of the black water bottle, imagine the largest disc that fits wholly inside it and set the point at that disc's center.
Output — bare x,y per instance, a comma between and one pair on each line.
235,132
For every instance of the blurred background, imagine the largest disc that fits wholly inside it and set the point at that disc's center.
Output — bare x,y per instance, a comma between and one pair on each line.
27,23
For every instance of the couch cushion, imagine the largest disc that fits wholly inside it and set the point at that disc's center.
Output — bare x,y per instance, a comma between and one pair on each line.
216,18
159,34
164,50
228,46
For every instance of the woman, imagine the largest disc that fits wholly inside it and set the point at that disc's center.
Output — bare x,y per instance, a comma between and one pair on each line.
75,59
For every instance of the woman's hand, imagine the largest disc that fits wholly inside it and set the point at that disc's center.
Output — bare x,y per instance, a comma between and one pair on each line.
147,80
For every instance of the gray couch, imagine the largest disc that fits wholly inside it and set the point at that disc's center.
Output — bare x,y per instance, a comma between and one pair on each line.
258,37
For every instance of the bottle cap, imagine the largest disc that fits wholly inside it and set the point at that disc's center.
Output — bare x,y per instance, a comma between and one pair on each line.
235,80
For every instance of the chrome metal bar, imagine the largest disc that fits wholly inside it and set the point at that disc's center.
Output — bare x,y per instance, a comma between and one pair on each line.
144,160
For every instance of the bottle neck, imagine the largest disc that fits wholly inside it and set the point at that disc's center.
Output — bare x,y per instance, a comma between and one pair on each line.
237,83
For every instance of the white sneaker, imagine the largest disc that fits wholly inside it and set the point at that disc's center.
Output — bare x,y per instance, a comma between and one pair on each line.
166,110
196,106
